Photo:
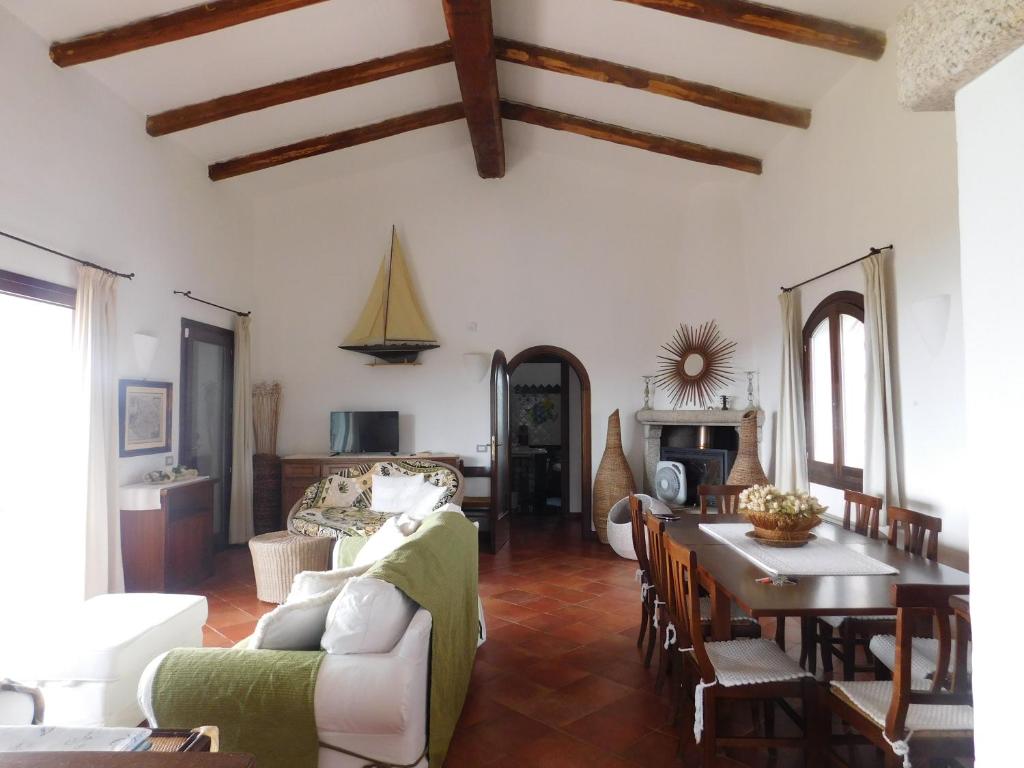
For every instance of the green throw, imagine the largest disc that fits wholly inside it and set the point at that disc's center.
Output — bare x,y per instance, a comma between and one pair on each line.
437,568
262,701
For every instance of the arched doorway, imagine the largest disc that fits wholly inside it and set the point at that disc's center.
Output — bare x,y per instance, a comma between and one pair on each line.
540,373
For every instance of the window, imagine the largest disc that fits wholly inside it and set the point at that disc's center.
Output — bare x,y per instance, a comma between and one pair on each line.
41,497
835,374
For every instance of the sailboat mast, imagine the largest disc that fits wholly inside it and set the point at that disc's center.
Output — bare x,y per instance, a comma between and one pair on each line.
387,289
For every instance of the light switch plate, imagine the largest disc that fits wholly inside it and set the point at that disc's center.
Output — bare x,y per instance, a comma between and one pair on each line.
169,460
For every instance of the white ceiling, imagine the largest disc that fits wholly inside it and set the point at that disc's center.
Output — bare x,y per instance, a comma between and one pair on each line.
341,32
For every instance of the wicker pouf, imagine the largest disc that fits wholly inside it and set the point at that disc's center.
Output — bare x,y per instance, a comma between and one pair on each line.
278,556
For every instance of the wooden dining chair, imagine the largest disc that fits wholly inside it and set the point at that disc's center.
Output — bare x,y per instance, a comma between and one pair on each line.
746,669
909,719
663,621
648,590
727,496
861,513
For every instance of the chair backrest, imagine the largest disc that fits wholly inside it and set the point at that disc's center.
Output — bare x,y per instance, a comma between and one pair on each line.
861,513
914,601
915,526
728,498
681,562
656,549
636,516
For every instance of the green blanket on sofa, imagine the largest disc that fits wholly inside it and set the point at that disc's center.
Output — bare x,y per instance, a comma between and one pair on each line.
262,701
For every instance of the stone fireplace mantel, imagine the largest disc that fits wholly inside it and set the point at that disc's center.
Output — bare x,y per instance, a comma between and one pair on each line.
654,421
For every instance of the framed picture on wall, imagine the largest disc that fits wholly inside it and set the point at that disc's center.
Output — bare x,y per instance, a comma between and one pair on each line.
144,417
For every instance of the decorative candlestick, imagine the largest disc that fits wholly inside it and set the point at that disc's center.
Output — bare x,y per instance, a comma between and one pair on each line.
649,389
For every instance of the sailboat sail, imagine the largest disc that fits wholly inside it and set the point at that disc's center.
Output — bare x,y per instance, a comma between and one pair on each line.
392,325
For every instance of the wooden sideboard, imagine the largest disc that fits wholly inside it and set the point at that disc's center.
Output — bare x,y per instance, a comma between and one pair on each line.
167,535
300,472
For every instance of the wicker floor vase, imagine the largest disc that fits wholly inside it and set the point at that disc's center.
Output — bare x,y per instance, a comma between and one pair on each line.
614,479
747,469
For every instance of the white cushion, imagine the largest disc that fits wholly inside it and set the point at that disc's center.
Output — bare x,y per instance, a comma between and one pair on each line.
295,626
369,616
835,621
395,493
924,655
386,540
872,697
309,583
748,662
410,521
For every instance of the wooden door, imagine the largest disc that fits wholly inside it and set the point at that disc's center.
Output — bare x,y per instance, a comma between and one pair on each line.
207,411
500,473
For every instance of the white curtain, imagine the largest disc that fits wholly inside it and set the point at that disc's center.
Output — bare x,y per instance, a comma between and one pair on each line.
882,452
790,435
240,525
95,344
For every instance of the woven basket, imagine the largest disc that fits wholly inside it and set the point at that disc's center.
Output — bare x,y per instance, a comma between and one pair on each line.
278,556
614,479
781,527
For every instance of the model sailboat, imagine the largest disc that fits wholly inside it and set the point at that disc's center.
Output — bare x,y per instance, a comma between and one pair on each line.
392,327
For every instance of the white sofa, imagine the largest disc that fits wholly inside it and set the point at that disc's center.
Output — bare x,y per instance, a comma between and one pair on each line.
88,666
372,704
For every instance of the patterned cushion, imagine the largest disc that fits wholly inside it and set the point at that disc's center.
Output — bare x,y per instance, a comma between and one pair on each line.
342,504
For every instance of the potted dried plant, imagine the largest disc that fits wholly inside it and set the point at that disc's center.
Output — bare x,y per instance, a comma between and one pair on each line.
779,517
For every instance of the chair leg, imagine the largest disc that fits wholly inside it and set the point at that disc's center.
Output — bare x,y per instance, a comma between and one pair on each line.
825,643
815,713
808,645
709,735
849,642
643,623
663,660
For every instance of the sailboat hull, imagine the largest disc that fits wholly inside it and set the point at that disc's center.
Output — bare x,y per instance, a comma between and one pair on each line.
392,353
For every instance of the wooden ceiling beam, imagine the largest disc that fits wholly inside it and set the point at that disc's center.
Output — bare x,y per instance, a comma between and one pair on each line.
472,35
258,161
664,85
166,28
780,23
298,88
686,150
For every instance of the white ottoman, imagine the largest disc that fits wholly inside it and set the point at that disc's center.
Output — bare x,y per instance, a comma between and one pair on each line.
89,664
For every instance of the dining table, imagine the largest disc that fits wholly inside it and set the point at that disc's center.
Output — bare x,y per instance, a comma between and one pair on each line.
728,575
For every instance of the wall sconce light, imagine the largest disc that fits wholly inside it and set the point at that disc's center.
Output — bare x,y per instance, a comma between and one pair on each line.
931,316
476,365
145,350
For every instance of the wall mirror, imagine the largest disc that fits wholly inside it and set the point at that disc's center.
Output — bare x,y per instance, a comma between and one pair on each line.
697,365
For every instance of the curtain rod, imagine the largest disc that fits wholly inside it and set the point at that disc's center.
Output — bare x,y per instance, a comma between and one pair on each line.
188,295
874,252
9,236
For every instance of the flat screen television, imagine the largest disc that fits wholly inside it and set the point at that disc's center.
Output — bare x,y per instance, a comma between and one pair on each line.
364,432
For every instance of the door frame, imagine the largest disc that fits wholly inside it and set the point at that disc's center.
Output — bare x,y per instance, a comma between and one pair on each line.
212,334
586,478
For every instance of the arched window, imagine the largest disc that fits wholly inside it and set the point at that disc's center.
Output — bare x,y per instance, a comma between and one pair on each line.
835,391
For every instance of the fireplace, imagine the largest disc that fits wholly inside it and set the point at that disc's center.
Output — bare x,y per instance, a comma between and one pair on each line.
705,442
707,466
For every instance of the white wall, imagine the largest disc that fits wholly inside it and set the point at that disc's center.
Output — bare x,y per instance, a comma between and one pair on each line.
990,122
585,256
79,174
869,174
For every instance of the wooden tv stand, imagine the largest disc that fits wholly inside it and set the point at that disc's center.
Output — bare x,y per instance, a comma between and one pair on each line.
302,470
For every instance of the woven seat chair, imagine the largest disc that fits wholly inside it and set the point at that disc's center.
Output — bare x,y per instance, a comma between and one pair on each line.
648,591
727,498
666,613
745,669
840,636
910,719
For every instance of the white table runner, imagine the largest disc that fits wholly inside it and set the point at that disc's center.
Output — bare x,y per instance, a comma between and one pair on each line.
821,557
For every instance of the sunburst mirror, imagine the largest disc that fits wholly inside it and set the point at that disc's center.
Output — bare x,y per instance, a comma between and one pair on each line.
697,365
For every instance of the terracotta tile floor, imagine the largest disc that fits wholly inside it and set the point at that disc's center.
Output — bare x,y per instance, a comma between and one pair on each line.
559,681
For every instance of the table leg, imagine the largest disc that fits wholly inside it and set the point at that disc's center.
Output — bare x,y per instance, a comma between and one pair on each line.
721,624
780,632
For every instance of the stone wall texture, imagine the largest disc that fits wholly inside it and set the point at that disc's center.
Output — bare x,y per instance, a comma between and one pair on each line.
942,45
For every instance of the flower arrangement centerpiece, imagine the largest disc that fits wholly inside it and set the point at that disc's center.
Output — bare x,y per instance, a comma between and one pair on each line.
779,516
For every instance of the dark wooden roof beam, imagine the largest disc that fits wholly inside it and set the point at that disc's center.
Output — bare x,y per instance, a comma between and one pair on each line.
166,28
303,87
686,150
780,23
663,85
320,145
472,35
